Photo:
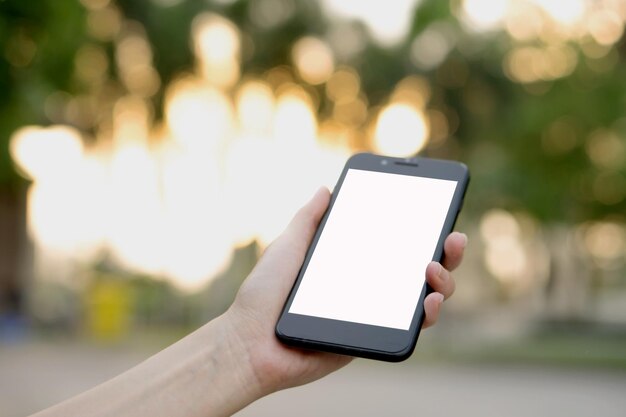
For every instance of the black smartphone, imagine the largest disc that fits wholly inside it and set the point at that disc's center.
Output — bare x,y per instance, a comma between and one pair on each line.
361,288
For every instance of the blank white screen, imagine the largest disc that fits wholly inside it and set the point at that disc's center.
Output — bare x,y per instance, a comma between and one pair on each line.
370,261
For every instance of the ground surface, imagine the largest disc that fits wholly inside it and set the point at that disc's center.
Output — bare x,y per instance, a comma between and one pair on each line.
34,375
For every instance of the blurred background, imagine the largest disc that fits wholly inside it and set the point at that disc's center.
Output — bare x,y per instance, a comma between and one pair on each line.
150,150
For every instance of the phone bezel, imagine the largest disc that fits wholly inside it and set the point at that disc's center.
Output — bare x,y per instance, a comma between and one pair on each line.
358,339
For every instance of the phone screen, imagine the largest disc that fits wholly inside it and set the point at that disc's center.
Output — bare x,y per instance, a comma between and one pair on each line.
370,260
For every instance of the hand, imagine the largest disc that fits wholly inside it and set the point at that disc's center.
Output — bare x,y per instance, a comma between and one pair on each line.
236,359
254,313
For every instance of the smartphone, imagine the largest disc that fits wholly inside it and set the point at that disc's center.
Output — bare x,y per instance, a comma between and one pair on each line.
361,288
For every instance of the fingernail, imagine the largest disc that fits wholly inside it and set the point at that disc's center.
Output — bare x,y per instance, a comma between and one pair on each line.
438,268
440,273
440,298
464,239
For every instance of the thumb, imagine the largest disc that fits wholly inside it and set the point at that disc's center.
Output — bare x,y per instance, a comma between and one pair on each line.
283,258
273,276
302,227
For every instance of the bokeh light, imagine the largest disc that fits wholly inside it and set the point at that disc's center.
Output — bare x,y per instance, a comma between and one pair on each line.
388,21
43,153
313,59
217,47
134,62
432,46
484,14
149,184
606,27
401,130
343,85
605,241
505,256
565,13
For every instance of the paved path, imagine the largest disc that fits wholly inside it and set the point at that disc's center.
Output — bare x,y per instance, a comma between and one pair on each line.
35,375
373,389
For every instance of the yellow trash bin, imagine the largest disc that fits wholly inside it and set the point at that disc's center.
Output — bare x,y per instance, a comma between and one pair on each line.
108,309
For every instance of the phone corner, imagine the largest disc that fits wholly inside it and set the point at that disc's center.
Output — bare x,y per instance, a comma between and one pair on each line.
278,331
399,356
410,348
359,156
464,169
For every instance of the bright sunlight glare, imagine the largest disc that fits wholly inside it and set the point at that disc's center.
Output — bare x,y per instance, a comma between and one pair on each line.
484,14
229,164
389,21
401,130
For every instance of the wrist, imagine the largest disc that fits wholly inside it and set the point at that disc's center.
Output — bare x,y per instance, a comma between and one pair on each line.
252,352
230,355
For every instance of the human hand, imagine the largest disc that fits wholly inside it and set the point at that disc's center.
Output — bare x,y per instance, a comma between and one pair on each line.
236,358
258,304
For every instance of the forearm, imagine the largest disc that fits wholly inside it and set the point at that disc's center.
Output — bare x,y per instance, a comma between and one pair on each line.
204,374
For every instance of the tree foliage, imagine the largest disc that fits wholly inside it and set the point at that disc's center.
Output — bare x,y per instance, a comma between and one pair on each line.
511,135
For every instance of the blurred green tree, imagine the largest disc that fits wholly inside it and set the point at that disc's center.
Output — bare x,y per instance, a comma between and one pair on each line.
38,42
555,149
